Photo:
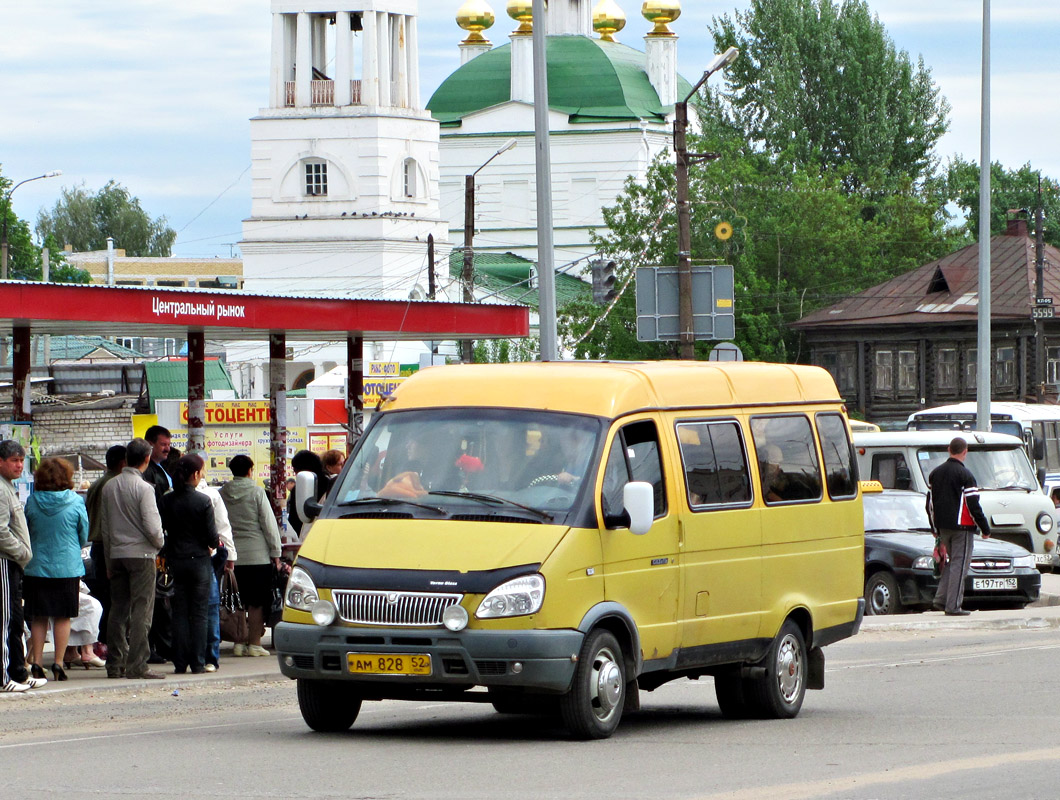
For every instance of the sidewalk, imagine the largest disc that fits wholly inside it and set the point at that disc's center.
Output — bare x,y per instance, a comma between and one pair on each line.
233,672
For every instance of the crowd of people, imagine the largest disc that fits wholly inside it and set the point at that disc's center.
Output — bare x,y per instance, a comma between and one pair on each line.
161,541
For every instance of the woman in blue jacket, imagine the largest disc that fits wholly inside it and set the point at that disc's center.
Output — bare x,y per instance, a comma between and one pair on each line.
58,529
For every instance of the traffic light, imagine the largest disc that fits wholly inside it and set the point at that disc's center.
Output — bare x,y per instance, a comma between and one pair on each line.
604,280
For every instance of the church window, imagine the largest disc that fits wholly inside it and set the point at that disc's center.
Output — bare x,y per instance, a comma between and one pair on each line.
408,178
316,178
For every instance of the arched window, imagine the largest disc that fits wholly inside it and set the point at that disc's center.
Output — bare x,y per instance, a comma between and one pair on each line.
410,178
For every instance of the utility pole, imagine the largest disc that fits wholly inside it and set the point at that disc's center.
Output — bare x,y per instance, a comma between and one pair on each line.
546,257
686,333
983,354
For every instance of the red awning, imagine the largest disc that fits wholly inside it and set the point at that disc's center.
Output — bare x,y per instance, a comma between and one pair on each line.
64,309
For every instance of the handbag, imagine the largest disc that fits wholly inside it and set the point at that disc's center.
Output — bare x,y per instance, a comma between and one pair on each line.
233,615
163,578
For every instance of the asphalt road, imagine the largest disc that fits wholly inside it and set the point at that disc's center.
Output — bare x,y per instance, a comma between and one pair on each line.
905,714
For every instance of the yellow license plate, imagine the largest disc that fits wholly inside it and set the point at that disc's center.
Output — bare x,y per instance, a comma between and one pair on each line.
388,663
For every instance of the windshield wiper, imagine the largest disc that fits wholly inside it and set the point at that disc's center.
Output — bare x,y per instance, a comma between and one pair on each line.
1011,488
494,500
390,501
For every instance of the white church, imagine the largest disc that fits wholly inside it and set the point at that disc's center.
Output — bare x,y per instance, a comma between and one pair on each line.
352,172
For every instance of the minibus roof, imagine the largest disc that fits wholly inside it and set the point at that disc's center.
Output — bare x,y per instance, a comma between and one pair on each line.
933,439
612,389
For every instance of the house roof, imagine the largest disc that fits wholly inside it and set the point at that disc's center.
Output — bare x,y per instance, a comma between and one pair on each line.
589,79
947,290
507,276
75,348
168,380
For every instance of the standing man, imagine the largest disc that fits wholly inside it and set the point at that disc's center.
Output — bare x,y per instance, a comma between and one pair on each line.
99,585
132,537
948,482
157,474
159,438
15,553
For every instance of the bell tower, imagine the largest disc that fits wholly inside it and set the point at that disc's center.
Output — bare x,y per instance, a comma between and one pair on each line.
344,187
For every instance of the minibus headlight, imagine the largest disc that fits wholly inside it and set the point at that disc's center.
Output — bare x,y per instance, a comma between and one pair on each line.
515,598
301,592
924,562
1045,522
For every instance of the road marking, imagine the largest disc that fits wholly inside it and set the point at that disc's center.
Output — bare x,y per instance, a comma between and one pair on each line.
130,734
938,659
916,772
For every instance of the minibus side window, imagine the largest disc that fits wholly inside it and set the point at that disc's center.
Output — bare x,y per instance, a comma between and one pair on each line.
838,458
634,456
787,459
715,464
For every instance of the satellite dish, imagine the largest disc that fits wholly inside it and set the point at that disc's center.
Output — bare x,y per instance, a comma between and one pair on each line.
723,230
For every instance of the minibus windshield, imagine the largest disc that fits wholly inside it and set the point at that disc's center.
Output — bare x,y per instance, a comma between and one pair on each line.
997,468
477,461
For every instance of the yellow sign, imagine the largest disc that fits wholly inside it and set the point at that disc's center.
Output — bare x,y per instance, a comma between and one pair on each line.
724,303
233,412
375,389
384,369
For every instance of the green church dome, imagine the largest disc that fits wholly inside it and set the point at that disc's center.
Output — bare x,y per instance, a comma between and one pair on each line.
590,79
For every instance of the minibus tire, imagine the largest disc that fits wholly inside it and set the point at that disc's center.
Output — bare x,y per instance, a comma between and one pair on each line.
731,690
328,706
593,707
780,692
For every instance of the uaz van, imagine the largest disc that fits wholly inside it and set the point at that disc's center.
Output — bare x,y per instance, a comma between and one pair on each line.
565,535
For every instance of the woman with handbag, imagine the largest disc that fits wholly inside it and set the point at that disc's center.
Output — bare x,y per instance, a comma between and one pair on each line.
257,538
191,535
58,529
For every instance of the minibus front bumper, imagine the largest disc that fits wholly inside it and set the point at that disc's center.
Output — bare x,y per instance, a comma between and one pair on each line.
535,660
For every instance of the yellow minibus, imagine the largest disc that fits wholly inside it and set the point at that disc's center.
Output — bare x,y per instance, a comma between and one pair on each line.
558,537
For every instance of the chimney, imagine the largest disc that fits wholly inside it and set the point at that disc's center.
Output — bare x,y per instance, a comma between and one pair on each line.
1016,222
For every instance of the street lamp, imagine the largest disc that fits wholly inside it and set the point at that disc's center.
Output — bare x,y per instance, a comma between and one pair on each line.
684,216
467,273
7,209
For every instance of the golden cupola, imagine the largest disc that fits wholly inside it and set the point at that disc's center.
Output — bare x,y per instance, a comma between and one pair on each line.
608,19
475,16
661,13
522,11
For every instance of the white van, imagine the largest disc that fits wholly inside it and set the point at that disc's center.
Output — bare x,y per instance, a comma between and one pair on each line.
1013,501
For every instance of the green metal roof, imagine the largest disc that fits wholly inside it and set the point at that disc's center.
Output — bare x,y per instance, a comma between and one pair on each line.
507,275
74,348
168,380
591,80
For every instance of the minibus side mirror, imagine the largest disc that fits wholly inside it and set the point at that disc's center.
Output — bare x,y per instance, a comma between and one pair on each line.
1041,476
305,496
638,497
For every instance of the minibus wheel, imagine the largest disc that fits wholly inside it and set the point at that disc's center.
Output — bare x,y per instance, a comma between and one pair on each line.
592,708
328,706
778,694
729,688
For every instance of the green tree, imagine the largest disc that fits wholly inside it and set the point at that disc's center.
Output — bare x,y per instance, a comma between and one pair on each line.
84,221
819,83
25,257
1009,189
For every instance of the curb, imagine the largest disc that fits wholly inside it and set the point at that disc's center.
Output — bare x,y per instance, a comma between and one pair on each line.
960,623
170,682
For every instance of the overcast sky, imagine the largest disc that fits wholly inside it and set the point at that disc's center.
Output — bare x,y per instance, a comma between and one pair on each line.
157,95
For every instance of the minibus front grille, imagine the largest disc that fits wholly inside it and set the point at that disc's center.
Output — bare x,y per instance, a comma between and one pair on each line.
404,609
991,565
